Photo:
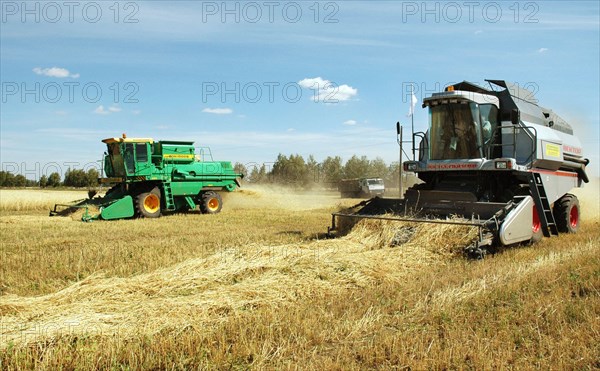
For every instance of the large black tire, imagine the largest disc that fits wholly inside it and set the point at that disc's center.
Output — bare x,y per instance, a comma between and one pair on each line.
148,204
566,213
210,202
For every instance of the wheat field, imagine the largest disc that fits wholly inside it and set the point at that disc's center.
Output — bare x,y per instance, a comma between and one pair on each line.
259,286
39,199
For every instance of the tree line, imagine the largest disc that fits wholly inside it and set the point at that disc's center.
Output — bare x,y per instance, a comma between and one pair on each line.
294,170
72,178
290,170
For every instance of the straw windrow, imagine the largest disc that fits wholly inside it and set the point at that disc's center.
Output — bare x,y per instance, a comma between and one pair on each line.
202,292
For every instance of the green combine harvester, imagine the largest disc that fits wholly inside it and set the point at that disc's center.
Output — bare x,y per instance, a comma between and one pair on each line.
150,177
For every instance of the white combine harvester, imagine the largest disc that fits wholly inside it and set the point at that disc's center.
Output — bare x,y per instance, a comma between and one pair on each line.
491,158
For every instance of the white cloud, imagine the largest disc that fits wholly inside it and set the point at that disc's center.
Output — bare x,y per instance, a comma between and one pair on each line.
478,32
136,111
542,50
291,130
100,110
350,122
218,111
55,72
61,113
346,92
327,91
316,83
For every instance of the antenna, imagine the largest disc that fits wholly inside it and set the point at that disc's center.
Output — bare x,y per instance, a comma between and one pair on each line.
399,140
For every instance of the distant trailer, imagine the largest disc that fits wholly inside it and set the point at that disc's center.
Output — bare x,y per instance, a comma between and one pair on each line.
361,187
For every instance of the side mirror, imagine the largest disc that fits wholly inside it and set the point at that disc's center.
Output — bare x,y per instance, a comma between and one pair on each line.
514,116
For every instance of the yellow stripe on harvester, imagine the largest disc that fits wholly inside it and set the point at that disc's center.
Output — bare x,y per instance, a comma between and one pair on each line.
552,150
176,155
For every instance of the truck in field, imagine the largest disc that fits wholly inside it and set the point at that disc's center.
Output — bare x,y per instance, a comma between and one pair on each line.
361,187
151,177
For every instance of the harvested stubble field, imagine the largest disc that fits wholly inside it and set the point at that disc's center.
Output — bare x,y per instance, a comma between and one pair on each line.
258,286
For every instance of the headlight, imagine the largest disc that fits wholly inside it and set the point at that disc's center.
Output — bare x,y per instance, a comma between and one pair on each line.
503,164
410,166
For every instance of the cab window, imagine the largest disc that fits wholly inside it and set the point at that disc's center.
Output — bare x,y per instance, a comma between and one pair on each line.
129,158
141,152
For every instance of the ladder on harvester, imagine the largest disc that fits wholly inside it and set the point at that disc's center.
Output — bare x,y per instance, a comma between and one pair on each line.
542,205
169,199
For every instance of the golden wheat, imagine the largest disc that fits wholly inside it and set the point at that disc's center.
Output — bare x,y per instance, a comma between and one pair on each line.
36,199
257,286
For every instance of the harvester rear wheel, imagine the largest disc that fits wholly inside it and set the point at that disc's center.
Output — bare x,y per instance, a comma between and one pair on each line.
148,203
566,213
210,202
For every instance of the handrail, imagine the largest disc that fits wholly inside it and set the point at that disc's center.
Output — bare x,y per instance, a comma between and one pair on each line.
205,152
533,142
423,136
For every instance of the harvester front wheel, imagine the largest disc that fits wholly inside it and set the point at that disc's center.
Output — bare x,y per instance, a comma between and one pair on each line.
148,204
566,213
536,227
210,202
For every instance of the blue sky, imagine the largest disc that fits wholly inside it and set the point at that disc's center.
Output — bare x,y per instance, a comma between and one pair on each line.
244,77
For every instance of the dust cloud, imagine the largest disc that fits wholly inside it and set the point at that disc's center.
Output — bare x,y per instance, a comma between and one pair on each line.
274,197
589,199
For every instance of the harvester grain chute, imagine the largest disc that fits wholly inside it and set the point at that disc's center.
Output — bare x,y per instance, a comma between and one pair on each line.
491,158
150,177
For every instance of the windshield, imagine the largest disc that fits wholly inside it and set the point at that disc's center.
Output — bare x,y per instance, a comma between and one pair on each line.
375,181
454,131
116,161
489,125
129,159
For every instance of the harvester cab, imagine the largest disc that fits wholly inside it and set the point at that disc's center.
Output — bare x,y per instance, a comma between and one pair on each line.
491,158
127,158
150,177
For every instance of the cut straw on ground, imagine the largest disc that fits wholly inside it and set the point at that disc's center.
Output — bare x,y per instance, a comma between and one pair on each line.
207,291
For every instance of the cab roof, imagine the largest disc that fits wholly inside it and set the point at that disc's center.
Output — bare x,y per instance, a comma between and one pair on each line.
127,140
